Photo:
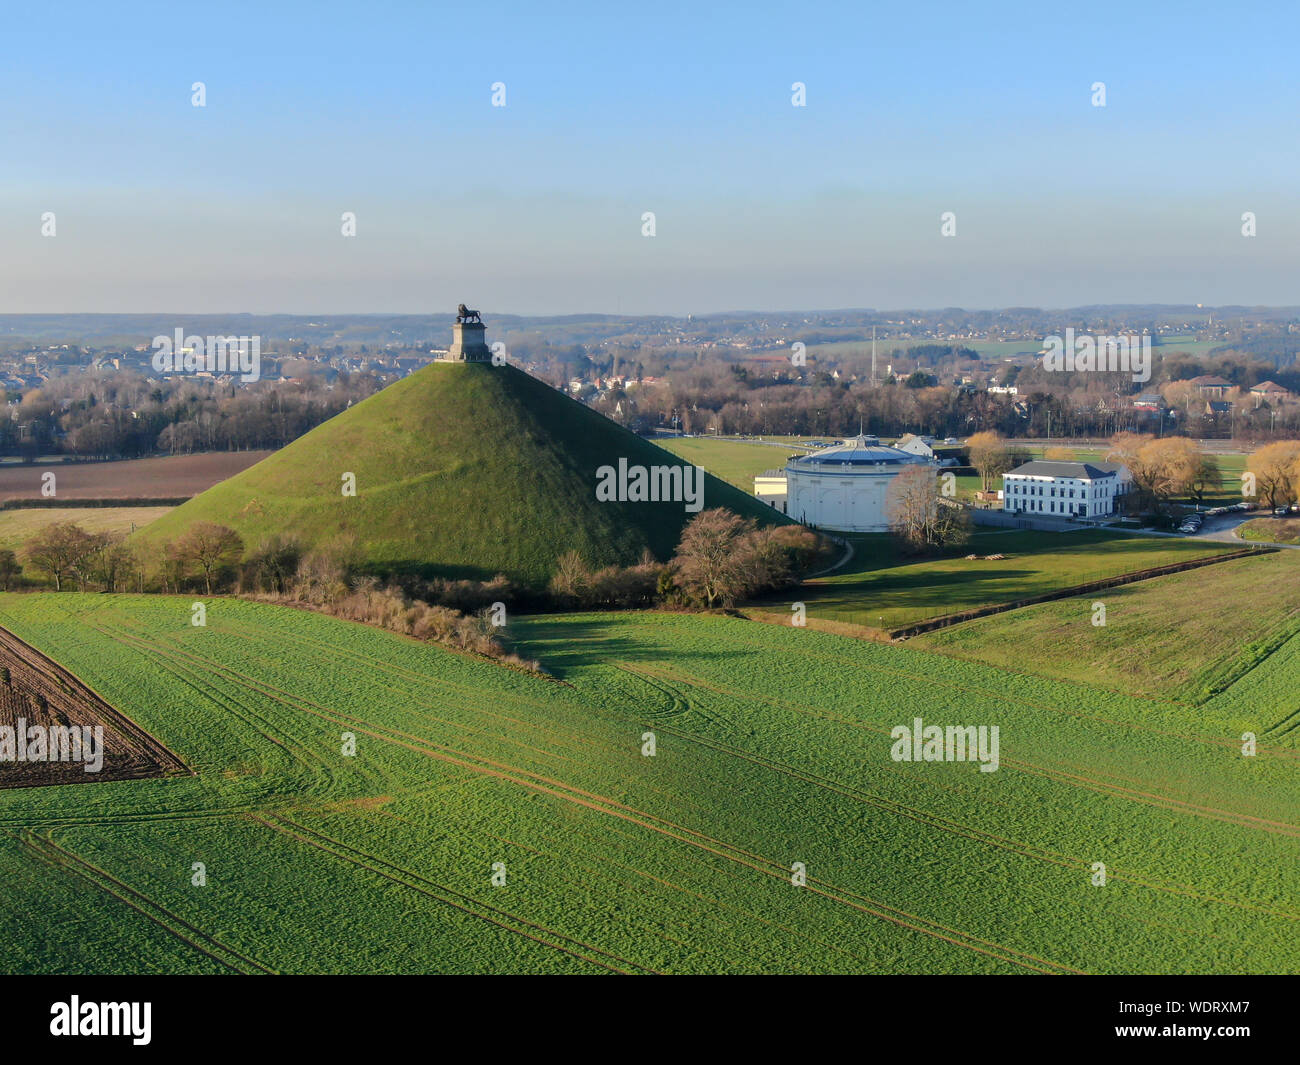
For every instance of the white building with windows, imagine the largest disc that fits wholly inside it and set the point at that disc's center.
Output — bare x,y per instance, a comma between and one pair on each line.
1064,489
839,488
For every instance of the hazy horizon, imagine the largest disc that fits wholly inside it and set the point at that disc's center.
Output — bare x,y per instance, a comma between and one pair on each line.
449,312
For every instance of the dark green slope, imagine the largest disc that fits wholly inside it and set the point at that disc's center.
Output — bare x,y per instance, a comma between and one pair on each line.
462,470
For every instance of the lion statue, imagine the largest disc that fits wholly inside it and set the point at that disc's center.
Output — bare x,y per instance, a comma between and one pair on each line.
464,314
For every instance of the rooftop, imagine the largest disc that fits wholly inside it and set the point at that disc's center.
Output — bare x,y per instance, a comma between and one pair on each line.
1086,471
860,451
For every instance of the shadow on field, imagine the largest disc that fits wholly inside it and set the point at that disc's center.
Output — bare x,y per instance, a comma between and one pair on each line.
565,646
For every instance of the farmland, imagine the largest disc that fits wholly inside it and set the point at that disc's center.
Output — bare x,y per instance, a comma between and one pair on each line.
172,477
35,691
1176,636
18,526
772,748
878,590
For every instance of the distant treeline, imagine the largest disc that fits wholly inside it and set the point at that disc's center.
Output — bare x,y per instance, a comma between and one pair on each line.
113,414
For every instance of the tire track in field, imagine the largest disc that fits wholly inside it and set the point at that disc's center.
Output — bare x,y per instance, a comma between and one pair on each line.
302,704
1276,729
140,817
450,897
251,683
420,685
766,866
677,698
676,916
186,675
1269,825
944,824
1165,802
603,804
998,696
1060,776
183,662
610,807
46,850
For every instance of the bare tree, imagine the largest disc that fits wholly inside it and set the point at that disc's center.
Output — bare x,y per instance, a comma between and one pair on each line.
60,551
275,562
571,577
990,456
112,563
708,562
918,517
208,546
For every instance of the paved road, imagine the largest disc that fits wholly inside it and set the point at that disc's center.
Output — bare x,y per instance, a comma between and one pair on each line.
1222,528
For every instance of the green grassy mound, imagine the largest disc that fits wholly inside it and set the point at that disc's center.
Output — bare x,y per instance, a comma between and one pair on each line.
462,471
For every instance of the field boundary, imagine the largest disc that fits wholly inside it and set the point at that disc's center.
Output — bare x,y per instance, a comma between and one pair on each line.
76,504
929,625
64,694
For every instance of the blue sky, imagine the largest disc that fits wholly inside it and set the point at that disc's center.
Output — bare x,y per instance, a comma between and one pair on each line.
384,109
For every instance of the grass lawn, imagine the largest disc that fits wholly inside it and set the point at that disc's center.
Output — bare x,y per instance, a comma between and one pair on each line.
733,461
880,590
1170,636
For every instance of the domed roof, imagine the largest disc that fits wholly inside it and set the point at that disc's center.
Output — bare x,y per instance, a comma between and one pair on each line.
860,451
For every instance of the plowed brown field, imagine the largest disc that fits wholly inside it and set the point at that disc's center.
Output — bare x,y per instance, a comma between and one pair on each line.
168,477
41,693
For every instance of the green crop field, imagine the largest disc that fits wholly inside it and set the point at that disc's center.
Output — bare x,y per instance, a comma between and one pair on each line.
877,589
1175,636
772,748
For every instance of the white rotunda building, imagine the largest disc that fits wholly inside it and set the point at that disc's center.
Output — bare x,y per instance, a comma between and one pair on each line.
843,488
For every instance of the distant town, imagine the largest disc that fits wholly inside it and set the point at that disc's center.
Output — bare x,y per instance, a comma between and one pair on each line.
88,387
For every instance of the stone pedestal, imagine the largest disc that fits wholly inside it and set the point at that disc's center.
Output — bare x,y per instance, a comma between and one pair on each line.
467,343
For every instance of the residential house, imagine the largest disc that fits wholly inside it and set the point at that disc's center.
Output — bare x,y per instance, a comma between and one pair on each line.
1210,385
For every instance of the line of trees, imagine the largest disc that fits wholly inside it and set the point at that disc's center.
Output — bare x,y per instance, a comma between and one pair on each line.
102,414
